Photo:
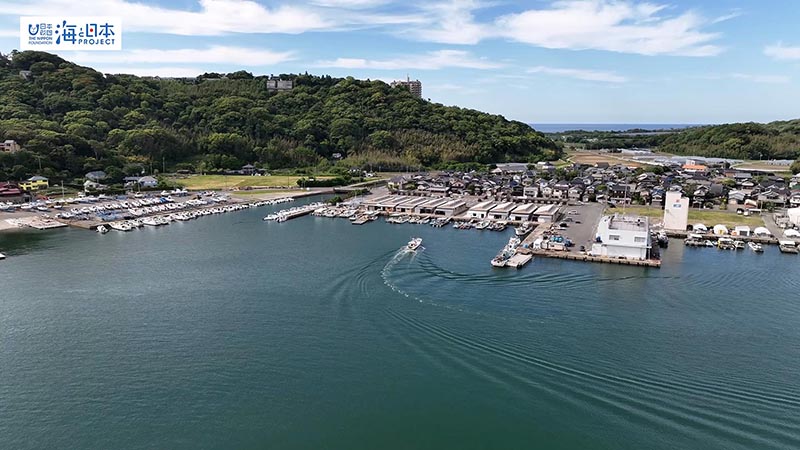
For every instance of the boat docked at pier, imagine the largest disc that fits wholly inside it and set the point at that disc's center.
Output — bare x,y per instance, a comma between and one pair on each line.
523,229
755,246
788,247
102,229
414,244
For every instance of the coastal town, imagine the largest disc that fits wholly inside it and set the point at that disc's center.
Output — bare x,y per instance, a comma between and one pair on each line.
619,213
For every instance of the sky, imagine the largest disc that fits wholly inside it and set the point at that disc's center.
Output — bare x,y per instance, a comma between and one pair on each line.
538,61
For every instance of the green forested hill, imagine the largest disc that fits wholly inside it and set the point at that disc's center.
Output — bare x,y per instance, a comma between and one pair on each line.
73,119
775,140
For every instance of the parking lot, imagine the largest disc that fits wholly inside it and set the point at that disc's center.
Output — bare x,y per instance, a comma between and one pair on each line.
583,224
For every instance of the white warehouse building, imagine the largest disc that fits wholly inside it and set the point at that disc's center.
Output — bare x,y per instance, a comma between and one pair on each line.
621,236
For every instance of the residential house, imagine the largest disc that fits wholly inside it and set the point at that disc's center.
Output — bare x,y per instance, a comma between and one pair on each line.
576,192
96,176
10,146
35,183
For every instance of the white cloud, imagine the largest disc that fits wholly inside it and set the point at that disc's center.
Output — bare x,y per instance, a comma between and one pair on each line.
580,74
783,52
217,17
352,4
625,26
429,61
768,79
620,26
238,56
755,78
453,23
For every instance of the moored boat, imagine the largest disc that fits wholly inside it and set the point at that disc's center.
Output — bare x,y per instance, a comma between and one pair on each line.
788,247
755,246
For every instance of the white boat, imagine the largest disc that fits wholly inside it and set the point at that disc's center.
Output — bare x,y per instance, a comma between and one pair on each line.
2,256
102,229
523,229
499,261
739,245
414,244
150,221
755,246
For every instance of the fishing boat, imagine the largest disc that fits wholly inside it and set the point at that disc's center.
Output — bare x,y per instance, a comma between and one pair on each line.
725,244
499,260
523,229
414,244
755,246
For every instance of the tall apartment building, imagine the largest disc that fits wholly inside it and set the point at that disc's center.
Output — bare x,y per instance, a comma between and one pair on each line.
414,86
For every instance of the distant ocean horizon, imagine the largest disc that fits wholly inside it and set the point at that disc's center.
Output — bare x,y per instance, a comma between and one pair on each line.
560,127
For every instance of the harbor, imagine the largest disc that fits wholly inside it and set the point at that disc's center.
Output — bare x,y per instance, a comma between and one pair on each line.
568,230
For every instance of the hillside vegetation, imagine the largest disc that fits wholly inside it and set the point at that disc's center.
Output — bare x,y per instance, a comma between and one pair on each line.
72,119
775,140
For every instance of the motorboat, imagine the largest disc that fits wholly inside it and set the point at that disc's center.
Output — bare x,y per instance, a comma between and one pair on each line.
499,261
102,229
523,229
755,246
2,256
414,244
739,245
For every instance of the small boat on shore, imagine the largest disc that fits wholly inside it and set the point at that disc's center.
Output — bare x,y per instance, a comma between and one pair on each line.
102,229
414,244
755,246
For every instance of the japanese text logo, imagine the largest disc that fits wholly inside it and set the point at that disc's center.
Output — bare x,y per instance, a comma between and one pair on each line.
70,33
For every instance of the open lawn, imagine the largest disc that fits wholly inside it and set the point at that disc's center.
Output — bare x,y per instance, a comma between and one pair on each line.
763,166
215,182
708,217
593,157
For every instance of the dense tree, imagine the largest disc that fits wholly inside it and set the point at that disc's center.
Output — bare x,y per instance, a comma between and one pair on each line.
68,118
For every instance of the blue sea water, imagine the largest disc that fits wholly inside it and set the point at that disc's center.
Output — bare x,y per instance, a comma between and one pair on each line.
231,332
560,127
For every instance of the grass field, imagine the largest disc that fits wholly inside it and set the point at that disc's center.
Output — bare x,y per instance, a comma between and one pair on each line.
707,217
213,182
593,157
762,165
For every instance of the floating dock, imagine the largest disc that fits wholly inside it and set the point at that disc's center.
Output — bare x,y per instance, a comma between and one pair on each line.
519,260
